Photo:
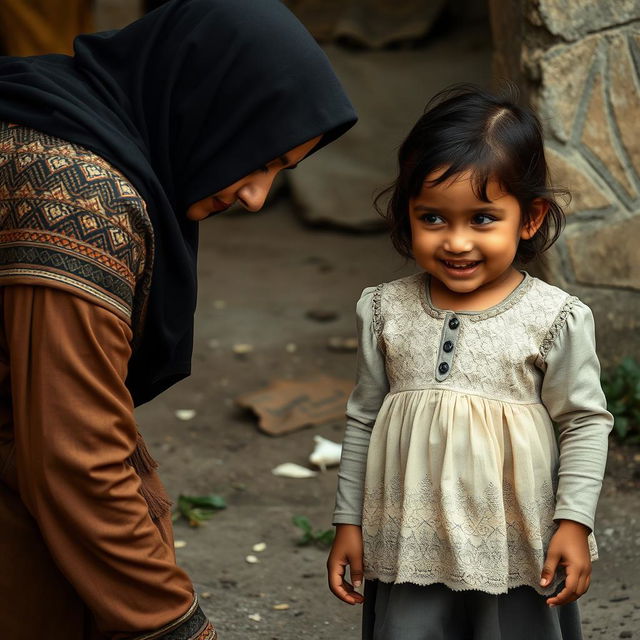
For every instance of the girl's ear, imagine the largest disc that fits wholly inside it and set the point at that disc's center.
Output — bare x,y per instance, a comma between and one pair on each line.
537,211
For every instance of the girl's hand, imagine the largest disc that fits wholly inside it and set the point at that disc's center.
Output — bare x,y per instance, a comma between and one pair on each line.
568,548
346,551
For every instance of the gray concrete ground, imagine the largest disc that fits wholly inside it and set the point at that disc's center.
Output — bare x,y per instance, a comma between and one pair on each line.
259,274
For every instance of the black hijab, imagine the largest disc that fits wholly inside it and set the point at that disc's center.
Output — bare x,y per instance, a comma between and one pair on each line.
185,101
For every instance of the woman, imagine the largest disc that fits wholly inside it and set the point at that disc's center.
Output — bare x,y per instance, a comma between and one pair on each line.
108,160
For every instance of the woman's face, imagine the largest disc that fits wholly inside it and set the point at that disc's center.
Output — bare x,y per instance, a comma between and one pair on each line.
252,190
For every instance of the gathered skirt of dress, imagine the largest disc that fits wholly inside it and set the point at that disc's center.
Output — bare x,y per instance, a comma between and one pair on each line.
460,490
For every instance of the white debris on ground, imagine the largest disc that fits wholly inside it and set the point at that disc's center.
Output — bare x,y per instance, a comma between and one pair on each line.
326,453
293,470
185,414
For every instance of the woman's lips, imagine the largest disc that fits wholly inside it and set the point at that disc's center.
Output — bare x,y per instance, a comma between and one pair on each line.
460,268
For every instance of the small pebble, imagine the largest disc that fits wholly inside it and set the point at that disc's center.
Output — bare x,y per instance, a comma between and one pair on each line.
242,349
291,347
185,414
219,304
179,544
342,345
609,531
283,606
214,344
252,559
259,546
256,617
205,594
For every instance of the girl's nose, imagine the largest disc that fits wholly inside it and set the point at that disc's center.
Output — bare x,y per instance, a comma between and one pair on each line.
253,194
458,243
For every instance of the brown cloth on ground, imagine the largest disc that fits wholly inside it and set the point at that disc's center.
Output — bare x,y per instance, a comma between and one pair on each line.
80,555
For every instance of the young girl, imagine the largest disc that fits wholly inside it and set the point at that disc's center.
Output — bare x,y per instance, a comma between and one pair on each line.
454,501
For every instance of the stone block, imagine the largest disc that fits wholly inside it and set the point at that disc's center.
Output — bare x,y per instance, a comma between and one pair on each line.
564,71
569,171
573,19
606,254
625,97
617,317
597,136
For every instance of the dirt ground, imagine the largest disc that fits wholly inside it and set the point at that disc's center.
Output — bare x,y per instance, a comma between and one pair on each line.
259,274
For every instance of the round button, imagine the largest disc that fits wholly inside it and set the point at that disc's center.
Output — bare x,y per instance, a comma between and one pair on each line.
443,367
448,346
454,323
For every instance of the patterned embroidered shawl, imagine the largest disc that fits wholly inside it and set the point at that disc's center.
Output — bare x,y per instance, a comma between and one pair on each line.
69,219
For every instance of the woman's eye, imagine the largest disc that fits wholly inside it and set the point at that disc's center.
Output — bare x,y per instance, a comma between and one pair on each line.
431,218
483,219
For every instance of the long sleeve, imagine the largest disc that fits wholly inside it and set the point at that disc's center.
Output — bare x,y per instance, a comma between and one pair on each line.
362,408
74,430
572,394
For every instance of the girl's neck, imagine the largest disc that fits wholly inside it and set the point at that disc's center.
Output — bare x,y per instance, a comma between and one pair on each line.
479,299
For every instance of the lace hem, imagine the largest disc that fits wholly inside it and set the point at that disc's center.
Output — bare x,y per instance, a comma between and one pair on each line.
490,541
463,586
556,327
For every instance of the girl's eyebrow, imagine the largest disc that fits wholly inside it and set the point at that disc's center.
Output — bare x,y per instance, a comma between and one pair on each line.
488,207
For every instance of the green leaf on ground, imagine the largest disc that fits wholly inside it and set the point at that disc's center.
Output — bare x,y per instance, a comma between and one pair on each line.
197,509
319,537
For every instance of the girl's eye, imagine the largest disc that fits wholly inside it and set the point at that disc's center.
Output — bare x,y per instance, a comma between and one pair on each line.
483,219
431,218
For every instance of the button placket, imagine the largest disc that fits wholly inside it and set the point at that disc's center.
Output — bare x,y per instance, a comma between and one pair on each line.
448,341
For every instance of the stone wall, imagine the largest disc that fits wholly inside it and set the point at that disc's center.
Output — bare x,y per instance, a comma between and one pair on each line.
578,62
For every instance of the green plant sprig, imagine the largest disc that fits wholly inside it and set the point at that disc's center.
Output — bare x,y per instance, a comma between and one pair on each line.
320,537
197,509
622,388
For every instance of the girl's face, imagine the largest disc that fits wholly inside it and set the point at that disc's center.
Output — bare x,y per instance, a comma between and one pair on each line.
252,190
465,243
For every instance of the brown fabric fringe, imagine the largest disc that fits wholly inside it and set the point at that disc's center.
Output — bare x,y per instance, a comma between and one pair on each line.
144,465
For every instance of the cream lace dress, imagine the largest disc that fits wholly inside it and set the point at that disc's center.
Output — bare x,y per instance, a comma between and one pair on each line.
451,418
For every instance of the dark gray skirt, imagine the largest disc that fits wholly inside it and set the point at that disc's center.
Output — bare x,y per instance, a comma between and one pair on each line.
435,612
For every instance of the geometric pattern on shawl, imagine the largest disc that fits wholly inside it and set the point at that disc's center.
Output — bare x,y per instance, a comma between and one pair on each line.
69,219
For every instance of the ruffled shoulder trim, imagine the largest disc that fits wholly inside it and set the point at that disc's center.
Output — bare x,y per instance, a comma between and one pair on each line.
377,310
556,326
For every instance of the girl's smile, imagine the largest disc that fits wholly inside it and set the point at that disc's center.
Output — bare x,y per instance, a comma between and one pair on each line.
467,245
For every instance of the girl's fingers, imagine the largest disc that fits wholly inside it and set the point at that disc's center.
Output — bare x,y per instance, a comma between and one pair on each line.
340,587
356,572
582,586
570,591
549,568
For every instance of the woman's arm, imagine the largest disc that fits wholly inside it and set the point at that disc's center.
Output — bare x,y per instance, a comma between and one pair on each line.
74,430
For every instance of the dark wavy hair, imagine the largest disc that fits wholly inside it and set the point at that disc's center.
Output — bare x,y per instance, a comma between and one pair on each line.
466,128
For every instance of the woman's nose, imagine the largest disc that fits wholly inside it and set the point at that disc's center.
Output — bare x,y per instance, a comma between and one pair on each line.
253,194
